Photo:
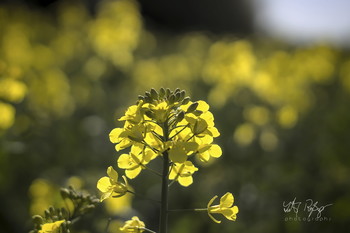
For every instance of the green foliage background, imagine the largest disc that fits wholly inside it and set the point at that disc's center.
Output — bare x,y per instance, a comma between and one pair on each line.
283,113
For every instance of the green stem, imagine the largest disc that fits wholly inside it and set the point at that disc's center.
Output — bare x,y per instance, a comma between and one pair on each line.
163,221
146,229
164,200
182,210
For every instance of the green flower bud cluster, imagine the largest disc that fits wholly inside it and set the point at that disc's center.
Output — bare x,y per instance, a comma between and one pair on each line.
59,220
166,95
55,220
83,202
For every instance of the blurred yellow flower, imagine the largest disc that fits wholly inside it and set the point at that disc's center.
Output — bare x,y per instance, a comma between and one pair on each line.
12,90
7,115
110,186
51,227
225,208
135,225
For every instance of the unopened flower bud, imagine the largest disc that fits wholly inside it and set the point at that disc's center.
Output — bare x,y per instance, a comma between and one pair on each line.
167,93
64,193
161,92
37,219
192,107
177,97
180,116
171,99
154,94
186,100
197,112
182,94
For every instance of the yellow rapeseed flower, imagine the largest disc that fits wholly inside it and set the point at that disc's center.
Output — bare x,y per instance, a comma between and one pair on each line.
110,186
127,137
135,225
133,114
225,208
51,227
135,161
182,172
166,122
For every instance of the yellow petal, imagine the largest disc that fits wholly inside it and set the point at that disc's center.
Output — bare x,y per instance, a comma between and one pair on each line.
202,106
125,161
214,132
173,173
106,195
226,201
233,214
114,135
185,181
131,174
123,144
104,184
208,117
190,167
205,156
148,155
215,151
177,155
136,149
51,227
113,174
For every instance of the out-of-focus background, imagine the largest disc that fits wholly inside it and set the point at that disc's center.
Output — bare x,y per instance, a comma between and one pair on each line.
275,72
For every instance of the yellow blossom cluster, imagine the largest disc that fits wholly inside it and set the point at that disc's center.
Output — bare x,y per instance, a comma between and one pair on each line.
166,122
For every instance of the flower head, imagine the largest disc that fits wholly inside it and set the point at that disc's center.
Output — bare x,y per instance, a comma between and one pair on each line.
135,225
53,227
225,208
166,121
110,186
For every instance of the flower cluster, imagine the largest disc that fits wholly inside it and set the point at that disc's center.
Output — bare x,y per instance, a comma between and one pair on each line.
60,220
166,122
166,125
